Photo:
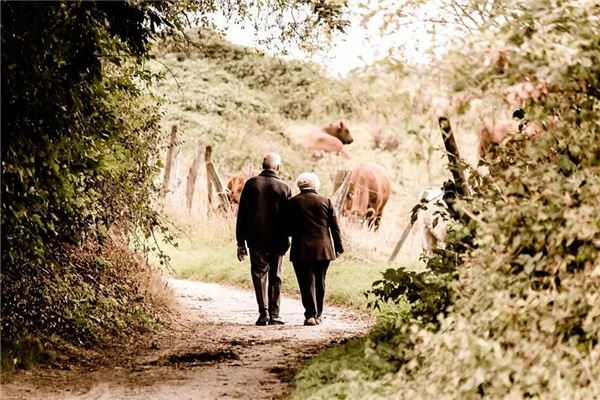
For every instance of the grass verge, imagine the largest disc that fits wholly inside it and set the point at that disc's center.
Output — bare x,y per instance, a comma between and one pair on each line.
357,369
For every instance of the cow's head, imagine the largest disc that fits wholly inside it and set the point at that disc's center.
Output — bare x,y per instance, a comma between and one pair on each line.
340,131
344,133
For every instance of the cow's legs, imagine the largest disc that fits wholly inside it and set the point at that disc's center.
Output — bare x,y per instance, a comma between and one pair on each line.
374,223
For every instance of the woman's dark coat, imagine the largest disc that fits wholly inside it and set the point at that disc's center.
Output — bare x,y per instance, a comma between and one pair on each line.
313,226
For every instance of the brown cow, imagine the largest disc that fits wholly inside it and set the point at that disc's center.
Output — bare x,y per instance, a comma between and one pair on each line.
491,133
368,192
236,184
330,139
518,94
340,131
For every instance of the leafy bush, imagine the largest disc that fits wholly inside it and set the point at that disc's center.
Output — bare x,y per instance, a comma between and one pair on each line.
77,136
298,89
523,319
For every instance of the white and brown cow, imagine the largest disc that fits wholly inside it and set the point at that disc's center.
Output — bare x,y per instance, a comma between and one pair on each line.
433,219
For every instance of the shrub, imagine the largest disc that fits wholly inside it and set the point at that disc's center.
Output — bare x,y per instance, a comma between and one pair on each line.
522,317
77,137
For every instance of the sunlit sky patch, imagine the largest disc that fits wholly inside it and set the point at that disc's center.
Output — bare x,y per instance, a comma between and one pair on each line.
363,43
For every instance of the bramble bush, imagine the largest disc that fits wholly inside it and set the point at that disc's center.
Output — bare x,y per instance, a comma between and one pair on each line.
523,316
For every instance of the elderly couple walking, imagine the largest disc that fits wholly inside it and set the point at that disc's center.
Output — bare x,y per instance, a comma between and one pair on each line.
267,217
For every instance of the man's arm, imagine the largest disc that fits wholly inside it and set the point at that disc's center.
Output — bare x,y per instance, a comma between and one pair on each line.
288,192
243,215
283,242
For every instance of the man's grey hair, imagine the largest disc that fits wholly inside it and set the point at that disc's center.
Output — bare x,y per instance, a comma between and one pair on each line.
308,180
271,161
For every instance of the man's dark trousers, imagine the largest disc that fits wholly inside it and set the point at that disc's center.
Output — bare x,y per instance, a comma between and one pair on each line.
266,266
311,278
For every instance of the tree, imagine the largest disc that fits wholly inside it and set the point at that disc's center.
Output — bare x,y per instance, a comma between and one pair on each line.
78,131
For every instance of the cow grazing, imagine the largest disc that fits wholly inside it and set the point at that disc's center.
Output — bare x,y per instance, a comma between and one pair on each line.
518,94
330,139
368,192
490,133
433,218
236,184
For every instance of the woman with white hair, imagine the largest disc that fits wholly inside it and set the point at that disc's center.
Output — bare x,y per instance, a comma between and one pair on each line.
316,241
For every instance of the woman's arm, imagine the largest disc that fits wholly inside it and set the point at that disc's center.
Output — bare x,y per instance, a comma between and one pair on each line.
335,229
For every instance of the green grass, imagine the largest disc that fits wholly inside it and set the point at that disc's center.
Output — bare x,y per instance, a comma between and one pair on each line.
357,369
208,253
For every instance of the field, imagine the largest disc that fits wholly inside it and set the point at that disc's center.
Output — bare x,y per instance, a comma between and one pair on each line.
222,104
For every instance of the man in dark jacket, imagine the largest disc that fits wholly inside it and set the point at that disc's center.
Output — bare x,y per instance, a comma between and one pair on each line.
316,241
260,225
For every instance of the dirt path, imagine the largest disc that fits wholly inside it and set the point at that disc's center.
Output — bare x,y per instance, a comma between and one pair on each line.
213,351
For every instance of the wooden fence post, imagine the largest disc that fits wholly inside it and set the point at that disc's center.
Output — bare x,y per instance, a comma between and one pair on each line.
207,155
172,154
340,189
249,172
192,175
454,161
339,178
401,241
213,177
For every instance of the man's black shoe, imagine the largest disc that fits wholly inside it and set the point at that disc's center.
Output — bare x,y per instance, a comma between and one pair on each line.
262,320
276,321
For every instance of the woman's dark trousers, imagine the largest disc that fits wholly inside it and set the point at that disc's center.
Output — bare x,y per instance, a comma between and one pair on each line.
311,279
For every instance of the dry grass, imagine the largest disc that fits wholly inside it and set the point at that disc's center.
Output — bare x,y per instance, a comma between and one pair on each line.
148,279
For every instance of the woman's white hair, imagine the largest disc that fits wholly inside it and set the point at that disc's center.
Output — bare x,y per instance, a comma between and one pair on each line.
308,180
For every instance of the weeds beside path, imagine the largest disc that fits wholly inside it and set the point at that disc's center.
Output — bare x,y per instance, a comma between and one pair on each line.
212,350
